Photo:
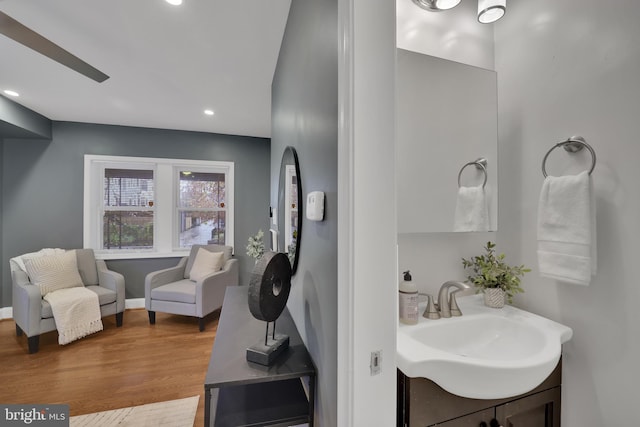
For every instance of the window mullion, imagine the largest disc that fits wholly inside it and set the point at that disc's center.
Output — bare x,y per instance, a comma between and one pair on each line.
164,214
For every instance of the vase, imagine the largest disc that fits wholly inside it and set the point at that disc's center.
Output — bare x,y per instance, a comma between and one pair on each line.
494,297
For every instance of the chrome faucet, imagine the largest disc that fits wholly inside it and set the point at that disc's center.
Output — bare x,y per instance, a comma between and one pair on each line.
447,305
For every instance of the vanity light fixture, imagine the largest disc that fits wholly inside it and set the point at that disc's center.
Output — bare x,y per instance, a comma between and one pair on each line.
174,2
491,10
11,93
436,5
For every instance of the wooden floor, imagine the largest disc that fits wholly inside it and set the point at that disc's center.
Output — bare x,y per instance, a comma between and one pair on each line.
115,368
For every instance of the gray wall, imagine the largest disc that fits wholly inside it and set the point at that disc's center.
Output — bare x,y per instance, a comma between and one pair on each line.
42,188
2,288
305,116
17,121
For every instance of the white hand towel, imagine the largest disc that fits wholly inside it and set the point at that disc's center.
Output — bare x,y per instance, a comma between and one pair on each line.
566,229
472,212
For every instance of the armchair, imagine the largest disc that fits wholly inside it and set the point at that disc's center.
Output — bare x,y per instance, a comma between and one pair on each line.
175,290
33,315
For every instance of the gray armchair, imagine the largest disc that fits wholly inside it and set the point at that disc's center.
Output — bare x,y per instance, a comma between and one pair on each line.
171,291
33,315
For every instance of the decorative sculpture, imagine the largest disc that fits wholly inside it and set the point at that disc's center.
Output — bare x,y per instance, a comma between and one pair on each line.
268,294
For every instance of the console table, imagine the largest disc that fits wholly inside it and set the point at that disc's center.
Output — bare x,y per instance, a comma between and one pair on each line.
242,393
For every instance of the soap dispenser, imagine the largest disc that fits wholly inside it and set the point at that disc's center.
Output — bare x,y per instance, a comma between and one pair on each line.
408,296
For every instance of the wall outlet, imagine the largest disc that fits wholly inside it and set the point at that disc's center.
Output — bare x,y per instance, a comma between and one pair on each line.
376,362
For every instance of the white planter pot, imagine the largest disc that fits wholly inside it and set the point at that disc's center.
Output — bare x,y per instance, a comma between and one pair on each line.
494,297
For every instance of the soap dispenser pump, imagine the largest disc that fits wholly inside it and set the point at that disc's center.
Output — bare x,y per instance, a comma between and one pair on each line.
408,297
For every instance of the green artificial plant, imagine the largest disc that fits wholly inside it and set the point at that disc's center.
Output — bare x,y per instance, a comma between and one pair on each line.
255,245
490,271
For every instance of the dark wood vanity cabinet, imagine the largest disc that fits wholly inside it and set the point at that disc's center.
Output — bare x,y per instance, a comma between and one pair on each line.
422,403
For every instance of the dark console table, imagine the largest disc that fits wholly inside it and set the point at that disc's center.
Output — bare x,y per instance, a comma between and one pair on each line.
242,393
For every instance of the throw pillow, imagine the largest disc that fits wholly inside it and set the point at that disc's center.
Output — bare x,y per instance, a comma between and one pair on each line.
206,263
53,272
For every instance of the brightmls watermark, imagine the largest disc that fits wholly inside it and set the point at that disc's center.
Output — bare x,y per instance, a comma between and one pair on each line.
34,415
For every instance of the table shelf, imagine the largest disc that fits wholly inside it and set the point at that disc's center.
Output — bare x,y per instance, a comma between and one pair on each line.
242,393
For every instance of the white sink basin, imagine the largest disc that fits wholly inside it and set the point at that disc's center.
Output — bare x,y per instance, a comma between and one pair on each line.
486,353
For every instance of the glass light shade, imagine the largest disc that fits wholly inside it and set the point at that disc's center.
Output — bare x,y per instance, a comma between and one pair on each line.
446,4
491,10
436,5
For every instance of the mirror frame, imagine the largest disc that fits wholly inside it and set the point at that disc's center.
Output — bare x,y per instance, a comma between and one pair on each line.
289,158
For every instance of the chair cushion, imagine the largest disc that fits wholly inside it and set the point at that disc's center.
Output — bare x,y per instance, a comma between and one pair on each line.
53,272
226,250
87,266
180,291
105,296
206,263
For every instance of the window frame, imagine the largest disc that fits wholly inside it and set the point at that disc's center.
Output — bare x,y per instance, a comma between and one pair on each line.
177,168
166,240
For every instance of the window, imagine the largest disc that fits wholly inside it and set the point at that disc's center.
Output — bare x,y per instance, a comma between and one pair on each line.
201,208
142,207
127,210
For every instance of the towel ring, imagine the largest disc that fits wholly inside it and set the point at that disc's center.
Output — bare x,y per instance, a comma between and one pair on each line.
481,164
572,145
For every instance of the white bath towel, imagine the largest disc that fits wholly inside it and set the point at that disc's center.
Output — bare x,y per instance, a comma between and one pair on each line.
472,212
566,229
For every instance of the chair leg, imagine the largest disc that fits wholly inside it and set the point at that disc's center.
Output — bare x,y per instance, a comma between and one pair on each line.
34,343
201,324
152,317
119,317
18,330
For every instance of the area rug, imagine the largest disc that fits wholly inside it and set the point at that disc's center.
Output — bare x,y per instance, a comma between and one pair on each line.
172,413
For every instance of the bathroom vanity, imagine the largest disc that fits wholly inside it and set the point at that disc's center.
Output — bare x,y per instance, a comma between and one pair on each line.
421,402
487,367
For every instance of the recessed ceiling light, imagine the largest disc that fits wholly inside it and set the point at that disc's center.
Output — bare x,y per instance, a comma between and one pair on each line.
209,112
11,92
174,2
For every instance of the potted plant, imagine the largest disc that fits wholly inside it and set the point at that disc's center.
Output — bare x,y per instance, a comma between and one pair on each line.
494,277
255,246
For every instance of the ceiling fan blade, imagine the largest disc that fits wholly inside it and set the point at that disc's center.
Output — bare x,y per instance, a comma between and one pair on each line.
24,35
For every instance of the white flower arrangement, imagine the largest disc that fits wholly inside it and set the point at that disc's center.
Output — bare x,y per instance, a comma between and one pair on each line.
255,247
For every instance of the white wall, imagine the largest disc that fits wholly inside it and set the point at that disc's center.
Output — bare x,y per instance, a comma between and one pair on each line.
367,285
564,68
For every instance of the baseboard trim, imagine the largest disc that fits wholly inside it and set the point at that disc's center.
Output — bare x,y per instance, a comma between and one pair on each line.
134,303
7,312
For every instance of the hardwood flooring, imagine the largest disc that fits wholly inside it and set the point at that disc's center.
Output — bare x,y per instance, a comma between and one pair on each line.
115,368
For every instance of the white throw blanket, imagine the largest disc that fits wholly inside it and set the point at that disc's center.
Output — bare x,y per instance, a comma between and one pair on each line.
76,312
567,229
472,212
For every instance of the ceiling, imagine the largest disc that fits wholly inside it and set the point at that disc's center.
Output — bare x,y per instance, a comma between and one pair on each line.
167,64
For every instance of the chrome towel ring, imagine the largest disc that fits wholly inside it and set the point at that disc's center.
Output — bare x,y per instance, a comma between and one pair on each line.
572,145
480,163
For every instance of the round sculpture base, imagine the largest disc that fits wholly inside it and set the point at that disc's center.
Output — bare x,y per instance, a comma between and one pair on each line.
264,353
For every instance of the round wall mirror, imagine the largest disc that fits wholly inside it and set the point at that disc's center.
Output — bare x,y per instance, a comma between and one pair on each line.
290,207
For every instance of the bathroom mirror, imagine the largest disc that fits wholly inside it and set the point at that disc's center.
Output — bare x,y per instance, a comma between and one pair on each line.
290,207
446,117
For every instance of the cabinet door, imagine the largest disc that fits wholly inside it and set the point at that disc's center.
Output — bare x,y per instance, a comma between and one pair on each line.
471,420
538,410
